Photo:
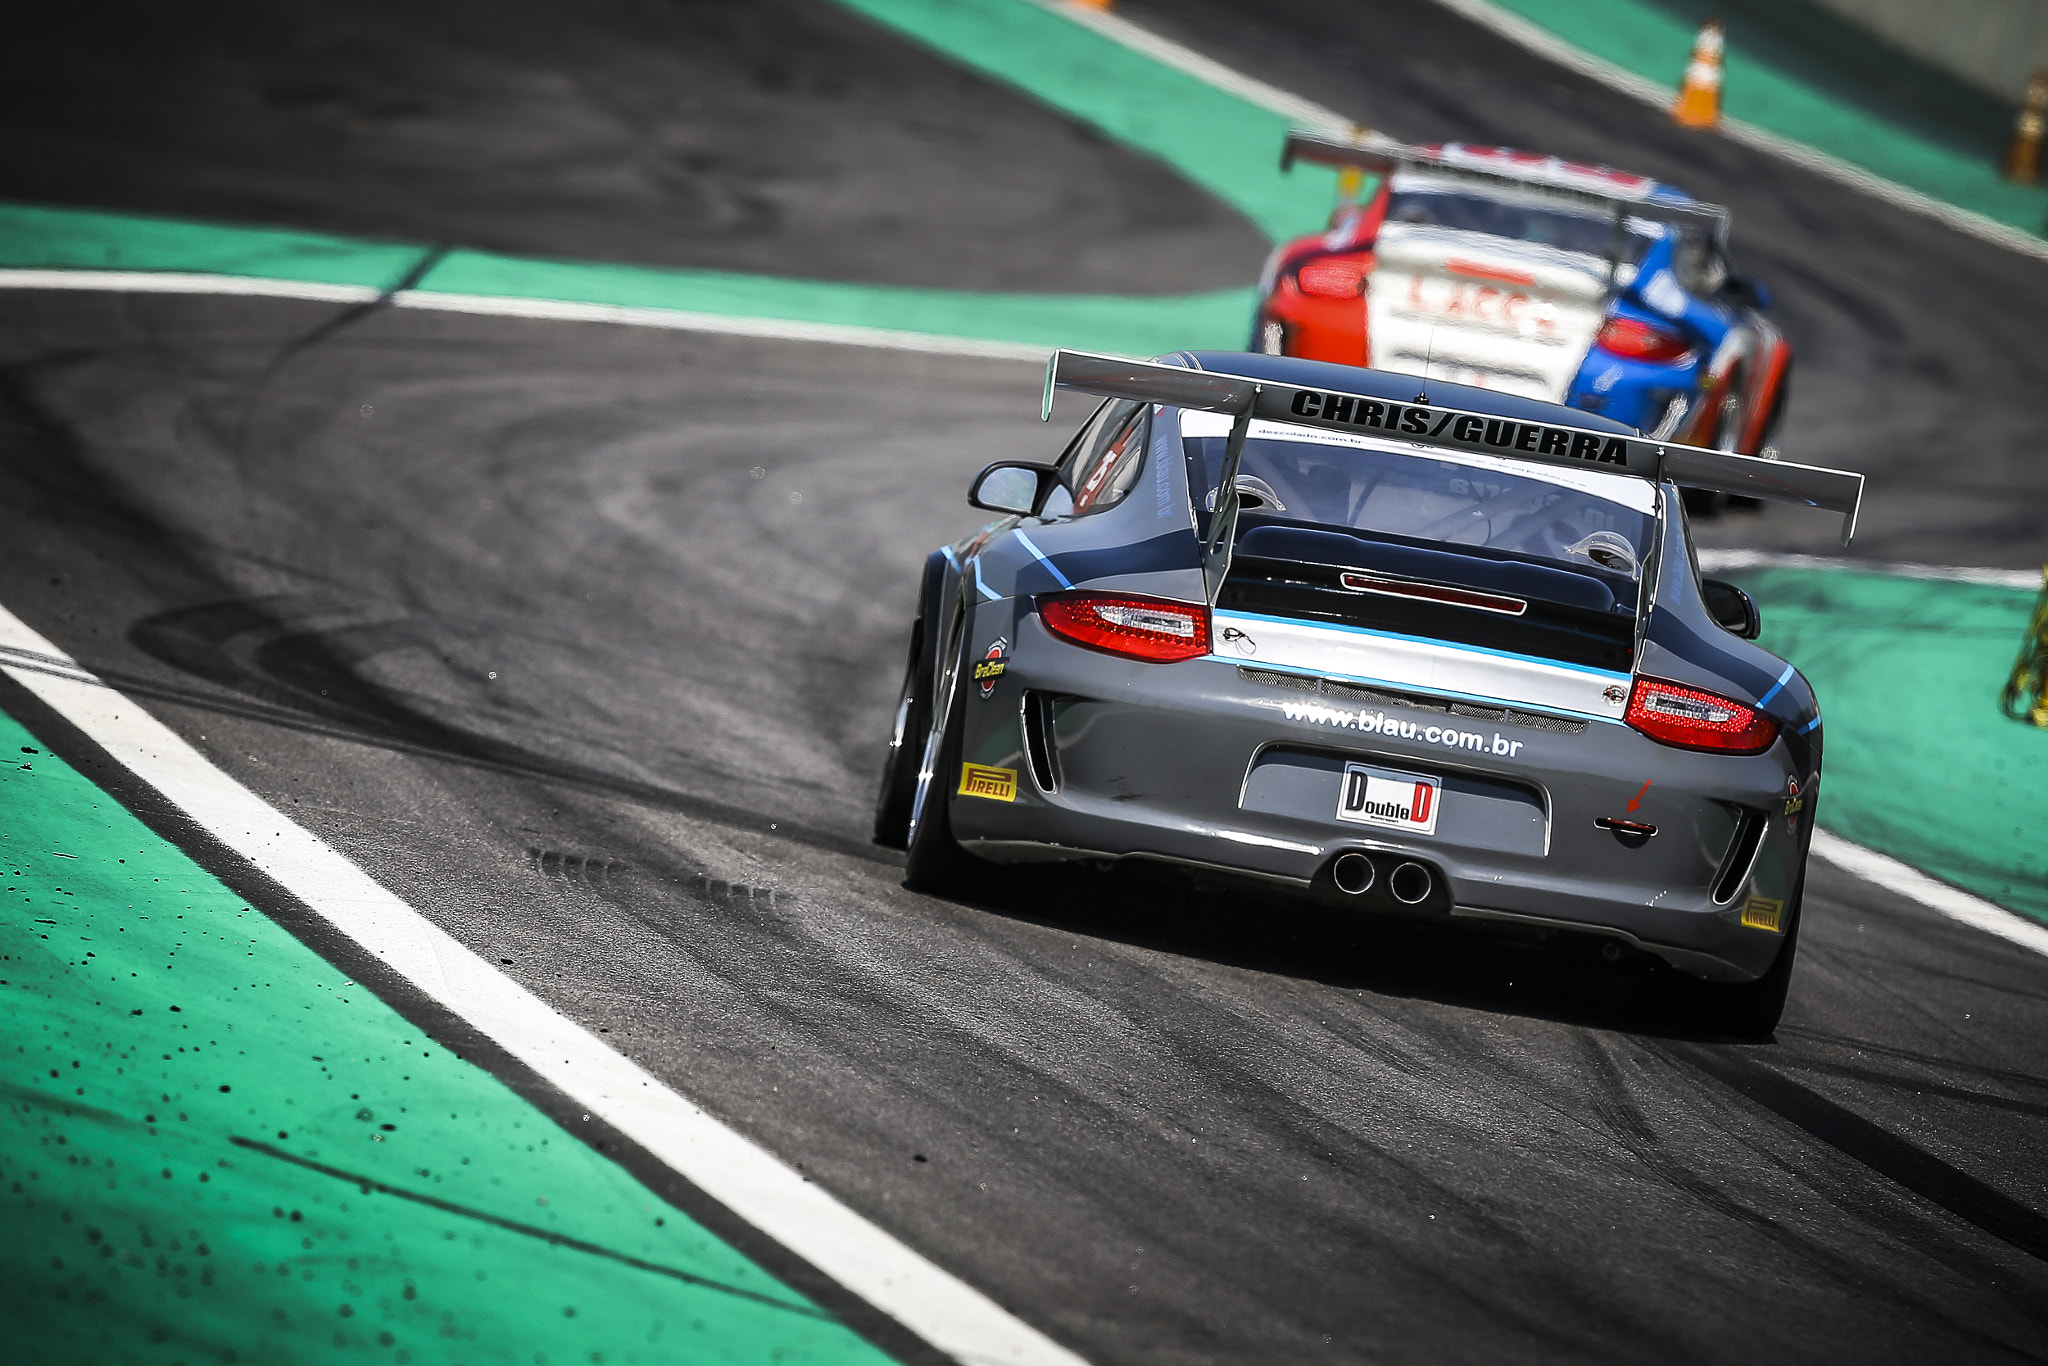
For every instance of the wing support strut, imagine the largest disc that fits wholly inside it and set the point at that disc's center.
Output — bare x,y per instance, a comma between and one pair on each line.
1223,522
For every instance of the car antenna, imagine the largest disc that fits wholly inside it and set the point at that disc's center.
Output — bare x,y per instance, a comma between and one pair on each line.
1428,359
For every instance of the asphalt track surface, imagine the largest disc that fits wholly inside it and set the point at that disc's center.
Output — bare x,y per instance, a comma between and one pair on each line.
1162,1122
782,137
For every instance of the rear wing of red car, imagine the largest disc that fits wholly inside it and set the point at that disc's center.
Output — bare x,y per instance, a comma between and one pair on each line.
1609,193
1434,426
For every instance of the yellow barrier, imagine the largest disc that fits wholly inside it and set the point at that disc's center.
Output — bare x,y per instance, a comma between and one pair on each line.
2026,693
2023,153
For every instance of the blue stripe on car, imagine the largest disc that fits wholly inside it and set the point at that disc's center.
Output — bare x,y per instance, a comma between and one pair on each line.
1039,555
1435,644
1776,688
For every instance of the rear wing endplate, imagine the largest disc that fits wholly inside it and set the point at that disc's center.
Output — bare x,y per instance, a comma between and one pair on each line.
1432,426
1387,157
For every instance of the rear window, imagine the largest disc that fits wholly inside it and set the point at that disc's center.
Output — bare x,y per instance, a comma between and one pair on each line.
1576,518
1543,224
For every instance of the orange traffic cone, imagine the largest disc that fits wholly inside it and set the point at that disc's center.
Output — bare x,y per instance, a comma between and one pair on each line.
1699,95
2023,153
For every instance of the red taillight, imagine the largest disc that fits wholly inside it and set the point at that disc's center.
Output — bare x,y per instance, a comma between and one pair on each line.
1674,714
1150,629
1641,341
1332,277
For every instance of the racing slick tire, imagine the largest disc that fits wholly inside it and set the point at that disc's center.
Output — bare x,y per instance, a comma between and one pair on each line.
906,747
1751,1010
936,863
912,721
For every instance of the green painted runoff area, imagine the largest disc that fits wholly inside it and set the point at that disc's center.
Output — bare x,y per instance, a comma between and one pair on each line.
1654,40
214,1149
1919,761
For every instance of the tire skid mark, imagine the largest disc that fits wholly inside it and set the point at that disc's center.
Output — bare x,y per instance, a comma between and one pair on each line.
1883,1152
287,665
1908,1055
1631,1127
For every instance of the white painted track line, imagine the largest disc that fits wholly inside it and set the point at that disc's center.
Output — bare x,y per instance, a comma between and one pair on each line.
507,306
748,1180
1915,885
183,282
728,324
1545,44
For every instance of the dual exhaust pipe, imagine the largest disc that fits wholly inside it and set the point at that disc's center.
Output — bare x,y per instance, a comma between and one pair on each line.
1410,883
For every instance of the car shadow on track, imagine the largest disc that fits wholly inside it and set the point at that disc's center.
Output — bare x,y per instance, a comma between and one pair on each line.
1579,979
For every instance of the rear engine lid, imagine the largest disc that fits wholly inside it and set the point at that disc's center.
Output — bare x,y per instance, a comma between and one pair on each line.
1494,601
1498,560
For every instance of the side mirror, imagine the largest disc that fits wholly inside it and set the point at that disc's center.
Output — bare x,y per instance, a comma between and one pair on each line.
1733,608
1013,487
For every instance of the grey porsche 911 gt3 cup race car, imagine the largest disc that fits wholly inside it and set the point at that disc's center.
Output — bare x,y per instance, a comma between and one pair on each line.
1440,653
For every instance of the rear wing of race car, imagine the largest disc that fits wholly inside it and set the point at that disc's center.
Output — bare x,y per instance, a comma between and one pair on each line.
1615,196
1430,425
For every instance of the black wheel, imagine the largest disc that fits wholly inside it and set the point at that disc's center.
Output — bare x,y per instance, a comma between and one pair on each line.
936,862
913,721
1751,1010
912,718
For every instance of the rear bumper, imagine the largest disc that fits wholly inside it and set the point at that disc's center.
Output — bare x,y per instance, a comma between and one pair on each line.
1216,764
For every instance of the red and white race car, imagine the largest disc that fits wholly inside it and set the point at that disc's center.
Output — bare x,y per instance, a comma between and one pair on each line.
1549,279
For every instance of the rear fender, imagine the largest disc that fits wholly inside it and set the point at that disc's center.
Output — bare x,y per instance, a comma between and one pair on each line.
1682,642
938,594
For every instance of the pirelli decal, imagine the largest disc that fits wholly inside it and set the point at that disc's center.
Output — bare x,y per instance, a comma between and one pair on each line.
997,784
1448,427
1764,913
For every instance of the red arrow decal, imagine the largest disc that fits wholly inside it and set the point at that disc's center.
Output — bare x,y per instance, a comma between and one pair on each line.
1637,800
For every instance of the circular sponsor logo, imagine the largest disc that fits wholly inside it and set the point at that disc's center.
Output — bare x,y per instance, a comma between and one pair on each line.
992,666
